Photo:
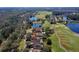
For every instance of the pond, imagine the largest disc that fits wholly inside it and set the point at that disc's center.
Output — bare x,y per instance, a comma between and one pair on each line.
74,27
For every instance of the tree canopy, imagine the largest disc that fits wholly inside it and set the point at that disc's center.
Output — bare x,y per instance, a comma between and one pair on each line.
46,25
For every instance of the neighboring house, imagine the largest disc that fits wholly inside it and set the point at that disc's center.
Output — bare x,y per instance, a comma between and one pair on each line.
38,29
64,18
39,34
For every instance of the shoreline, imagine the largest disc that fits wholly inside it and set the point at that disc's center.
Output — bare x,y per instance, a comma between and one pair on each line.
76,34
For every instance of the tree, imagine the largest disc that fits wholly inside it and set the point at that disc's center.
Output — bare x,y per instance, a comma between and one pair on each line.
0,42
46,25
49,42
73,16
47,16
6,46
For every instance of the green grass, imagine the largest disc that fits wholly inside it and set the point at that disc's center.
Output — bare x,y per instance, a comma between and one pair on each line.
42,14
73,41
55,43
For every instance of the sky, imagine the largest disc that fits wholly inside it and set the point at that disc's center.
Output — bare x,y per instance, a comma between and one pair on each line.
39,3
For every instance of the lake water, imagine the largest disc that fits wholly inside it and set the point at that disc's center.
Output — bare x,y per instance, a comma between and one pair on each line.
74,27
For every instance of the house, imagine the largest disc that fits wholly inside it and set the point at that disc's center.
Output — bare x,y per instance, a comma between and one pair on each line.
33,33
34,50
39,34
52,19
64,18
33,36
38,29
